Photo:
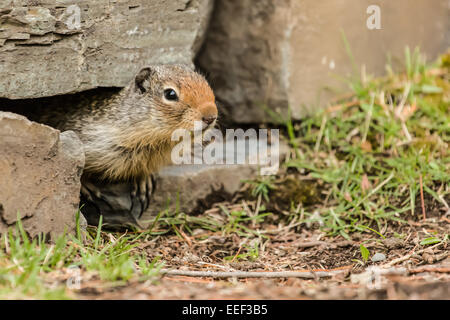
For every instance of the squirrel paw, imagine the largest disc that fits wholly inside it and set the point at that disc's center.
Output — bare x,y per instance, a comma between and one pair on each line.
143,189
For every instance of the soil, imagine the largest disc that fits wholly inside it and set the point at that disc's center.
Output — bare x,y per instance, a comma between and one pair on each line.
424,273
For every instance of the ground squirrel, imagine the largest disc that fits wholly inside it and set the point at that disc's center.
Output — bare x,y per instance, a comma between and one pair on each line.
127,133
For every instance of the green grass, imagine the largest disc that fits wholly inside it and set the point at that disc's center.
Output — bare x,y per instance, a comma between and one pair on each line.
372,148
27,267
228,222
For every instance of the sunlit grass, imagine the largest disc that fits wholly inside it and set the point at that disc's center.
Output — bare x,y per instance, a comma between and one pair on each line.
28,267
372,148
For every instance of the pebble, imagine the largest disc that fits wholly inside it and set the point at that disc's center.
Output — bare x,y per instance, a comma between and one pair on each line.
378,257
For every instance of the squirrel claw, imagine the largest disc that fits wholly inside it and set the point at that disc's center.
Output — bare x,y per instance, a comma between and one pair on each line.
143,189
88,190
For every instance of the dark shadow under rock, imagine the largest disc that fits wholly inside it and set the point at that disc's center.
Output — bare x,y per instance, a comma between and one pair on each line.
115,202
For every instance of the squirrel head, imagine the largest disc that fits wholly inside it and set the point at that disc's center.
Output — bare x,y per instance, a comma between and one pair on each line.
170,97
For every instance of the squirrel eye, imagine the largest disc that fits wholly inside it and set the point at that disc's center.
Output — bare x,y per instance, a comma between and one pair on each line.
170,95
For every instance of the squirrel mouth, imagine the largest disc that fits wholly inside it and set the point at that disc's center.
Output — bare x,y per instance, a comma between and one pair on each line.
203,130
204,127
208,126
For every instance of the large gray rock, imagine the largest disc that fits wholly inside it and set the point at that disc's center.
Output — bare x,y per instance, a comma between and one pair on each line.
281,53
46,50
40,172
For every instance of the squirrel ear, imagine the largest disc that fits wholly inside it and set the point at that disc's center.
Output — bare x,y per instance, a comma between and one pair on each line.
142,80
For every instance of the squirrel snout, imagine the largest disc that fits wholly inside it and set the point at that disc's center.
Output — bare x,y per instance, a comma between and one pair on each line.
209,119
209,113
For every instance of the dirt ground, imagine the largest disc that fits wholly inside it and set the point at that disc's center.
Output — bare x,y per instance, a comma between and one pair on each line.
409,270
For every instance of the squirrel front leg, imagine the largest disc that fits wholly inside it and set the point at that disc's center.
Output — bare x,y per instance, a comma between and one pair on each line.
143,189
120,203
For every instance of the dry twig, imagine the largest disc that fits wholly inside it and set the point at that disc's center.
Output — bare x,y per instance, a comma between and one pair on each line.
429,269
406,257
251,274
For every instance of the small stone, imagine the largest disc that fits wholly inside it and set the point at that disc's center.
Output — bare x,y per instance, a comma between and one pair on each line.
189,188
377,257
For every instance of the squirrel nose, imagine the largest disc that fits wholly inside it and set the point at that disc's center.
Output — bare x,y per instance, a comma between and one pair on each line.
208,113
209,119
